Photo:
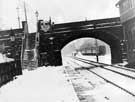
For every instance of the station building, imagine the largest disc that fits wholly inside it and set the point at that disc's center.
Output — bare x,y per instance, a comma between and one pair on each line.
127,16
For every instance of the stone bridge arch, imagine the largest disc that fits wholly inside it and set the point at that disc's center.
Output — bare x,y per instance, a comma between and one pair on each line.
111,39
109,31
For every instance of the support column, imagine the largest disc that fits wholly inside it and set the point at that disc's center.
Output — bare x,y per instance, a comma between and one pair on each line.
57,57
116,54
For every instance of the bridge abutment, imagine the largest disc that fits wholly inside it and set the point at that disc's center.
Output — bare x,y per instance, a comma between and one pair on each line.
57,59
49,54
116,54
52,58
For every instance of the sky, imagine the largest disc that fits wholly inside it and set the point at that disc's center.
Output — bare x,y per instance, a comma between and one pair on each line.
59,10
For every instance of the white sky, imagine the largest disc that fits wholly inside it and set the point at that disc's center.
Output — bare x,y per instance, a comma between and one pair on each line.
59,10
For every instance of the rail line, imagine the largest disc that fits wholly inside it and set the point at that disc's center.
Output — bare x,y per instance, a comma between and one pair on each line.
120,70
117,84
120,67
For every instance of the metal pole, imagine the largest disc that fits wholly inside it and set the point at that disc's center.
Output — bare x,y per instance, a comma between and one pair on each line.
96,44
96,50
27,37
37,33
25,12
36,13
37,41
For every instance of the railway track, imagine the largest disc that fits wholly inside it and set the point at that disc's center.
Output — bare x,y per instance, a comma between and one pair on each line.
104,64
117,69
125,76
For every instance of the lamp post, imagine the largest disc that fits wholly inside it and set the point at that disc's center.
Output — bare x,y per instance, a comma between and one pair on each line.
36,13
18,17
37,35
97,50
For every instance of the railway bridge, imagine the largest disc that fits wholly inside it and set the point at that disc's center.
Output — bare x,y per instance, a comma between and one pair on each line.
51,43
108,30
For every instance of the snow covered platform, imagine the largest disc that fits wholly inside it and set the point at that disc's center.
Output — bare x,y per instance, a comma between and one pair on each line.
46,84
62,84
4,59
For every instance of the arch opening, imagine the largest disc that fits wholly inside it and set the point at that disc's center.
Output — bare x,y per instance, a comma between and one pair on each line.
87,48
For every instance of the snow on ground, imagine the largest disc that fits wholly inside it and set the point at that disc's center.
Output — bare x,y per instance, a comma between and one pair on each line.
46,84
103,59
98,90
54,84
3,58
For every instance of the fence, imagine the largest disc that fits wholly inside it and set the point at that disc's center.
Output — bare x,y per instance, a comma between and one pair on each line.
9,70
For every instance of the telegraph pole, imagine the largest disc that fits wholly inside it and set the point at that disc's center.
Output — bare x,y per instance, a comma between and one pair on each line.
27,29
37,41
37,33
25,12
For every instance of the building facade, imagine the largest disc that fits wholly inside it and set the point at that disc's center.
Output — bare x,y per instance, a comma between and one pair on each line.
127,16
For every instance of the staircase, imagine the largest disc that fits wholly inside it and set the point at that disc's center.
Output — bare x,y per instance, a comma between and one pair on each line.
30,59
